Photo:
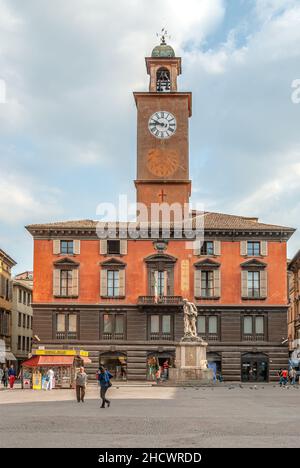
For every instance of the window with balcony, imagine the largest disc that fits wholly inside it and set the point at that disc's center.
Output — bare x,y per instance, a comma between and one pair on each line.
208,327
113,326
253,328
160,327
66,326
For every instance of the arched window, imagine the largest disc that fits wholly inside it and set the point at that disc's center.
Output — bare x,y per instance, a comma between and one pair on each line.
163,81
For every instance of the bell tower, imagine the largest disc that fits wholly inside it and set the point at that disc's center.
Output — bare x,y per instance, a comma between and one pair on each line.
162,132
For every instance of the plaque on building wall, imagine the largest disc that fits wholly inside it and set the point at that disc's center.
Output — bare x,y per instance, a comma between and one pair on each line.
185,276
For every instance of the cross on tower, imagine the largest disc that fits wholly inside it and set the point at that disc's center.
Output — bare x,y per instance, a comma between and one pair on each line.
162,195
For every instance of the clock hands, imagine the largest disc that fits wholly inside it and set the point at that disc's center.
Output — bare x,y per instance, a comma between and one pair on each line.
159,123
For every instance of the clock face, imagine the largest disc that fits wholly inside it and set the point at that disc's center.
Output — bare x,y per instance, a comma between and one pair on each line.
162,124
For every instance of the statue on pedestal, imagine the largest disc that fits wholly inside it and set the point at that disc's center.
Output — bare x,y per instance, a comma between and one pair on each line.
190,318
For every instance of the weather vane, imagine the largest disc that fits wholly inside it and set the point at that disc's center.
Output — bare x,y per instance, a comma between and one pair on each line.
163,35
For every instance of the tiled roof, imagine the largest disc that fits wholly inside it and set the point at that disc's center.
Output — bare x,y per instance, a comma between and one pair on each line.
212,221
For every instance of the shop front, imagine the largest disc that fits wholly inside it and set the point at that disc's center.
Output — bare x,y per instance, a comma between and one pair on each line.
64,364
158,364
116,363
255,367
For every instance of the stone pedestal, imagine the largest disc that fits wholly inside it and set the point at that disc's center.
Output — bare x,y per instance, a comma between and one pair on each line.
191,363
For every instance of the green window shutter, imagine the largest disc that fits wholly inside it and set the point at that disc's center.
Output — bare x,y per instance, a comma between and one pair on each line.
197,247
123,247
264,248
244,283
75,282
122,288
76,246
103,282
103,246
197,283
56,246
263,283
56,282
244,248
217,247
217,283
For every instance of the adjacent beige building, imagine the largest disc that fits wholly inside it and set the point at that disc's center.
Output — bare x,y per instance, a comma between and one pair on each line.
6,264
22,316
294,310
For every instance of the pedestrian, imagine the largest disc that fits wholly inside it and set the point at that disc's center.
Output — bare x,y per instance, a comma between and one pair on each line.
293,375
104,379
166,369
81,383
11,376
50,379
279,374
284,375
5,377
1,375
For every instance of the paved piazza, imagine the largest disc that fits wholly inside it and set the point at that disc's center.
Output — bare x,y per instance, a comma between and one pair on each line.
265,416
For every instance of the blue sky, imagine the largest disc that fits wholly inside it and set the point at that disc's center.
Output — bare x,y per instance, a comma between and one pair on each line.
68,126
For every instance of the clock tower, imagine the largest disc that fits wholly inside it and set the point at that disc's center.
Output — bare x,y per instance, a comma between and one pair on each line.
162,132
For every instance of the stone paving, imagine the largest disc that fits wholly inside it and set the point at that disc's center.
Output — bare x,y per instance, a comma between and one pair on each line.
143,416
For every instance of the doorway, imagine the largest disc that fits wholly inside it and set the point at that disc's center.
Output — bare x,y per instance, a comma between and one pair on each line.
255,368
116,363
158,365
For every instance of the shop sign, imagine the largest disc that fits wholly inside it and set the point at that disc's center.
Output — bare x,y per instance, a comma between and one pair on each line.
37,381
60,352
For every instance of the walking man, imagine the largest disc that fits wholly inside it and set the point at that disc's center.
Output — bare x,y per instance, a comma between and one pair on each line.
104,379
81,382
11,376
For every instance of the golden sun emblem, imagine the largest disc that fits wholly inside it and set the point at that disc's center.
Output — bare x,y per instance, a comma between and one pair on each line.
162,163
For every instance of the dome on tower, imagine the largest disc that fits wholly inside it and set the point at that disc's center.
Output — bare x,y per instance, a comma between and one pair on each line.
163,50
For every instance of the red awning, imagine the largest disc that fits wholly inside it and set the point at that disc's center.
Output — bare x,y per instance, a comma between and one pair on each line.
48,361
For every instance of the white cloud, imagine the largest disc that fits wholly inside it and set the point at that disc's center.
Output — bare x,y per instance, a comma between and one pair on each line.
23,199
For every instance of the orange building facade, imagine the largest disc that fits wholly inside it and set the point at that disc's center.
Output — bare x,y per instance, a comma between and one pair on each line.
121,298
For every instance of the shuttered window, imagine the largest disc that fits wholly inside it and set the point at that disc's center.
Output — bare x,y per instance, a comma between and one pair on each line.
253,249
66,247
66,282
113,283
207,248
253,284
207,283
